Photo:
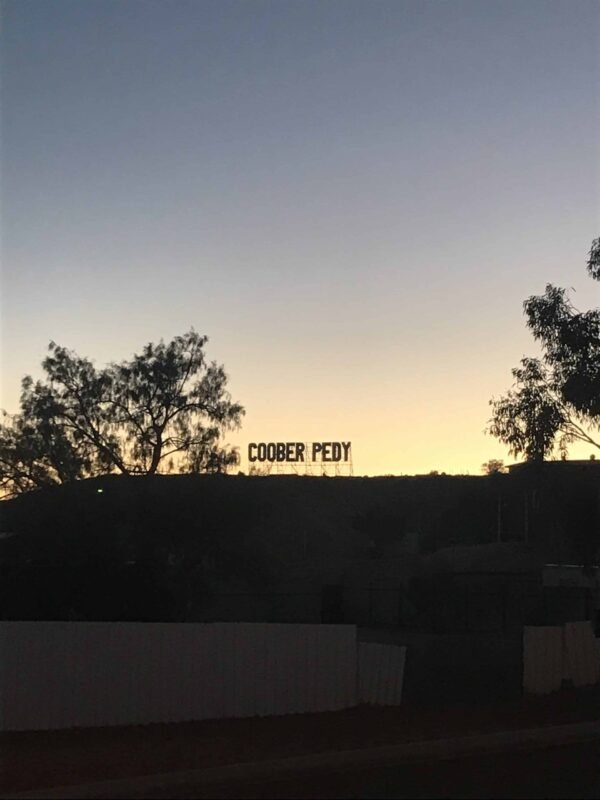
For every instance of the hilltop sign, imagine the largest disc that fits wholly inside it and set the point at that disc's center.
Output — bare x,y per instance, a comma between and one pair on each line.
303,452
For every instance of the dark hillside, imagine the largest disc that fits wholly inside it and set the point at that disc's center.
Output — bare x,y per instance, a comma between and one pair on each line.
151,547
340,515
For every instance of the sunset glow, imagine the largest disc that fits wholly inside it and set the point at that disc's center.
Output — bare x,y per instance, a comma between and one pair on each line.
351,199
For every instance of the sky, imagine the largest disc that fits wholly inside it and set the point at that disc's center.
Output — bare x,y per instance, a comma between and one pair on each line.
351,199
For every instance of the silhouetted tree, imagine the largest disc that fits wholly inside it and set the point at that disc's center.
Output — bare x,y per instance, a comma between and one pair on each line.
164,409
555,399
30,459
593,263
529,417
493,467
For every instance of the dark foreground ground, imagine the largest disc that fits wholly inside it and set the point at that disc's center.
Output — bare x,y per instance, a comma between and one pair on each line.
566,772
40,760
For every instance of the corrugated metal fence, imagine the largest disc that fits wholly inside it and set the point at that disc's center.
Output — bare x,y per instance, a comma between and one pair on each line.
553,654
85,674
380,673
581,663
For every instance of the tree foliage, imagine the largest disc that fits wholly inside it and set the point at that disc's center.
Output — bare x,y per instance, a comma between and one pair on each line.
494,466
164,409
528,417
593,263
555,399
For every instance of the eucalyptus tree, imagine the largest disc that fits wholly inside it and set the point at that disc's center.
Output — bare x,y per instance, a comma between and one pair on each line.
555,399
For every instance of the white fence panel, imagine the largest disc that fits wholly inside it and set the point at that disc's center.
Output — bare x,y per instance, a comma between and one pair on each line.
79,674
555,653
542,659
581,664
380,673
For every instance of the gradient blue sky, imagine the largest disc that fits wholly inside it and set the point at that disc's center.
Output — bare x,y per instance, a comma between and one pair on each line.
352,199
